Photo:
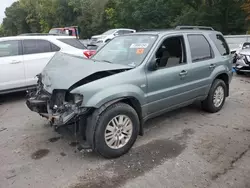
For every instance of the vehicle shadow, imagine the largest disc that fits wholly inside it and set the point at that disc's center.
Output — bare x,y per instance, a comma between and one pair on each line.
12,97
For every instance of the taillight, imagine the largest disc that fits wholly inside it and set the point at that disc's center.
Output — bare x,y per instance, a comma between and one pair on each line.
89,53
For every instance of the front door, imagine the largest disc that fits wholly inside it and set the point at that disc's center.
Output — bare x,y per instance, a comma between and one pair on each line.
168,86
11,66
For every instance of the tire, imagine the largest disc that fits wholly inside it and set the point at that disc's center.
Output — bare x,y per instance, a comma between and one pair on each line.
100,144
208,104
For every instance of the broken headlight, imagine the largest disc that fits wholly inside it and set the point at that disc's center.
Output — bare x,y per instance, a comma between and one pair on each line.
78,98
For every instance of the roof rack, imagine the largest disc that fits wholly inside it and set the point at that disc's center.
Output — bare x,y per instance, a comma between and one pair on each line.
195,27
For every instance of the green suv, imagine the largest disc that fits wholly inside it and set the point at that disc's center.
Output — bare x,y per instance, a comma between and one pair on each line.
104,101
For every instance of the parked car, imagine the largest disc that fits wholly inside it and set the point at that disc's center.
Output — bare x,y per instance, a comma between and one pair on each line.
23,57
236,54
243,60
70,31
109,35
110,97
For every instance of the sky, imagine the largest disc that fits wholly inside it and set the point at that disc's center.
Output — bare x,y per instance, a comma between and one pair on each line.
4,4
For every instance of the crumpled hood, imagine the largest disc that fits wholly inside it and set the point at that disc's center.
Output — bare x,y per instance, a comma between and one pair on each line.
64,70
245,51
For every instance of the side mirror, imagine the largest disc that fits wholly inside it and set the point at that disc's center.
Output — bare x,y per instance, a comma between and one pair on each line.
116,34
152,66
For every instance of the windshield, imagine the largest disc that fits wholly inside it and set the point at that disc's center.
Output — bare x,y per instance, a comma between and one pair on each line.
246,45
111,31
56,31
126,50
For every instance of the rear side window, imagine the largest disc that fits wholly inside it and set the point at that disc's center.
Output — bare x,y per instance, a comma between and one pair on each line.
221,44
54,48
9,48
127,31
74,43
36,46
200,48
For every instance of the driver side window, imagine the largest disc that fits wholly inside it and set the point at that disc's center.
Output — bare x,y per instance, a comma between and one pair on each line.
171,52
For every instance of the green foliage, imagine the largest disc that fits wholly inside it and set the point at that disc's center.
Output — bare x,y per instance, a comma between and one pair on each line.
96,16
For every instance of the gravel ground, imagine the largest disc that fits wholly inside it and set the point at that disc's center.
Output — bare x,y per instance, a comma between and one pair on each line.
185,148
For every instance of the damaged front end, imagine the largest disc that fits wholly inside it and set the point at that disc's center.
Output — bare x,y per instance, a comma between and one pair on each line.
60,108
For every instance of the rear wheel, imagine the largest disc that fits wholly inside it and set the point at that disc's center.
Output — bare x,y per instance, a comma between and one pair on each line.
216,97
116,130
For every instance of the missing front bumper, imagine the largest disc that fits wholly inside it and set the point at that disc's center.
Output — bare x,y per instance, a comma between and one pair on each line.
65,115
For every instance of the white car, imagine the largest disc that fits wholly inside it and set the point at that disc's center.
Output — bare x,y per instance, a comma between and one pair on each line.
109,35
23,57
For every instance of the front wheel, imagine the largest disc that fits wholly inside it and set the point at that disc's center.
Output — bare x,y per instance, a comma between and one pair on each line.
216,97
117,129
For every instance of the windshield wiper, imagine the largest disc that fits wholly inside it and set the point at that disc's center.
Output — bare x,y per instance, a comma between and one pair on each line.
107,61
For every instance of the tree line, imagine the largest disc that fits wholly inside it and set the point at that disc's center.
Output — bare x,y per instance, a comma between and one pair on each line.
96,16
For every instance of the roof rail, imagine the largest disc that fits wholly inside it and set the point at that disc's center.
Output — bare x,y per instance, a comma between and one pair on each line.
141,30
194,27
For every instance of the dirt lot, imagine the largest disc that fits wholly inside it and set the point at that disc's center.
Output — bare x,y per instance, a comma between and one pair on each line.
183,149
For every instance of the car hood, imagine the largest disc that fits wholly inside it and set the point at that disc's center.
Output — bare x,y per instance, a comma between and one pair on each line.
245,51
65,70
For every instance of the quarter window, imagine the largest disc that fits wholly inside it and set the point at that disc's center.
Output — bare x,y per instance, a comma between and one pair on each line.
200,48
54,48
221,44
9,48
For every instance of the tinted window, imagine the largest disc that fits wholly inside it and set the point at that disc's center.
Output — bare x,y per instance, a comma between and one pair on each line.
54,48
120,32
36,46
221,44
9,48
127,31
73,42
200,48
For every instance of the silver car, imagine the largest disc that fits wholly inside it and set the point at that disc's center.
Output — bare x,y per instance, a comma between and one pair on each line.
243,60
105,100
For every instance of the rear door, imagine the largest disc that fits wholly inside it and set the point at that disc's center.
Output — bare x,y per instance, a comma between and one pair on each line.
36,54
202,62
11,65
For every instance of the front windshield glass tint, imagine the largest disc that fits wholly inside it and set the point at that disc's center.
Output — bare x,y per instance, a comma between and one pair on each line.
126,50
111,31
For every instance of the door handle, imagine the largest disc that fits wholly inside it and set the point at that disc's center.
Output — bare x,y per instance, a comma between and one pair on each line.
15,62
183,73
212,66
